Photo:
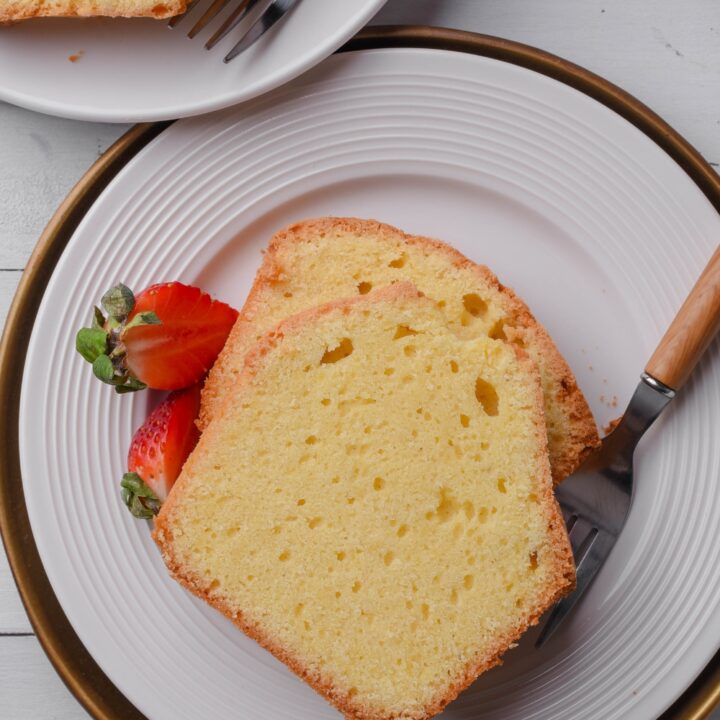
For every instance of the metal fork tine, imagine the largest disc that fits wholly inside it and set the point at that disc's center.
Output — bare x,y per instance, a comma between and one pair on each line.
175,20
581,534
272,14
207,16
236,17
593,557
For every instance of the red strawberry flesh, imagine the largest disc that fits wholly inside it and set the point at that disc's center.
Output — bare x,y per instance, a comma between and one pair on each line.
161,445
178,352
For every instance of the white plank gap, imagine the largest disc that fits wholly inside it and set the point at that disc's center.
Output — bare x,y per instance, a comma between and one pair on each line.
30,689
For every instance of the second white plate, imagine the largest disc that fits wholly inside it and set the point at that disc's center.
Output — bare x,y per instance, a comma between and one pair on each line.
598,229
136,70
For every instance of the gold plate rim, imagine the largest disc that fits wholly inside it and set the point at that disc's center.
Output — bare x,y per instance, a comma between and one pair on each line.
92,688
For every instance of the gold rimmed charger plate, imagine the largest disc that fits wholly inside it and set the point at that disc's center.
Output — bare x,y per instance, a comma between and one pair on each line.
81,674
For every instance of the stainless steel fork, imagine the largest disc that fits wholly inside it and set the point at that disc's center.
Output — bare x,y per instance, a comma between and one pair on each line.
596,499
273,11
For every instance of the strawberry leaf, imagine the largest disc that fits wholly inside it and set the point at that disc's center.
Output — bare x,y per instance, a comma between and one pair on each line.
103,369
143,318
91,343
118,301
98,319
140,499
130,384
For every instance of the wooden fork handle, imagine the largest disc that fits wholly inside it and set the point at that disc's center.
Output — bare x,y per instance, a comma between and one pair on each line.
691,331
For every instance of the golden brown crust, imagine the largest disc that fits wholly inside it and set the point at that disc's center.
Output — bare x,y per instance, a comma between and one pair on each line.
581,436
560,582
16,10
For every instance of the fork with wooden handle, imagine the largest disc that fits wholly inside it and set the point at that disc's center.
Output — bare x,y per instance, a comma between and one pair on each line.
596,499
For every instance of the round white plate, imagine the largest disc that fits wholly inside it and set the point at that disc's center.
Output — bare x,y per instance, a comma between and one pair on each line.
135,70
598,229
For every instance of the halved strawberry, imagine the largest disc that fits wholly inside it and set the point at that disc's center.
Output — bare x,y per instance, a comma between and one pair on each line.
166,338
158,451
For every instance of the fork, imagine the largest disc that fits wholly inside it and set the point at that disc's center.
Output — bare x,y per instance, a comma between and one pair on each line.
596,499
272,13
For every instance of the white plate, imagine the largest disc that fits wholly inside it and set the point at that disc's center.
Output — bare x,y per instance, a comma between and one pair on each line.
589,220
134,70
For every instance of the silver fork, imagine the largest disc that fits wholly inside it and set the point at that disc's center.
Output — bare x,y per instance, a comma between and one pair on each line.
596,499
274,10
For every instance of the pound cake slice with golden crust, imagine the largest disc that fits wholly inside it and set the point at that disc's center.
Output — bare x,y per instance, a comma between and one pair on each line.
373,504
317,261
11,10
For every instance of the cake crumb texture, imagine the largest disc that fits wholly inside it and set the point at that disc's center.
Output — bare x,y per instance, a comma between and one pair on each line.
317,261
12,10
373,503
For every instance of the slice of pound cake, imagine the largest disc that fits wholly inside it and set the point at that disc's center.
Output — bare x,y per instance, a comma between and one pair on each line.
317,261
11,10
373,504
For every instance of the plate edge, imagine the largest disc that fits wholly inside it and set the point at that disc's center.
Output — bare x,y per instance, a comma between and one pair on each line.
78,670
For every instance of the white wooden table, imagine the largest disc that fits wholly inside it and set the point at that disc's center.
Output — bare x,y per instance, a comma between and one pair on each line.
665,52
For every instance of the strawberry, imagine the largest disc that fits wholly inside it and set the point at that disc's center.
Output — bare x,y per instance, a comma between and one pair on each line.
158,451
166,338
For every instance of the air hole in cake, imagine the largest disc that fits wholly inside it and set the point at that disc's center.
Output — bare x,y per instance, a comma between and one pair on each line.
378,483
425,610
519,603
409,351
464,421
342,350
340,555
533,498
474,305
310,440
299,608
398,262
389,371
468,582
232,531
356,586
403,331
501,485
352,692
314,522
454,367
287,294
301,501
497,331
533,561
388,557
350,500
325,401
482,515
469,509
447,505
402,531
364,288
487,396
454,596
214,585
284,556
